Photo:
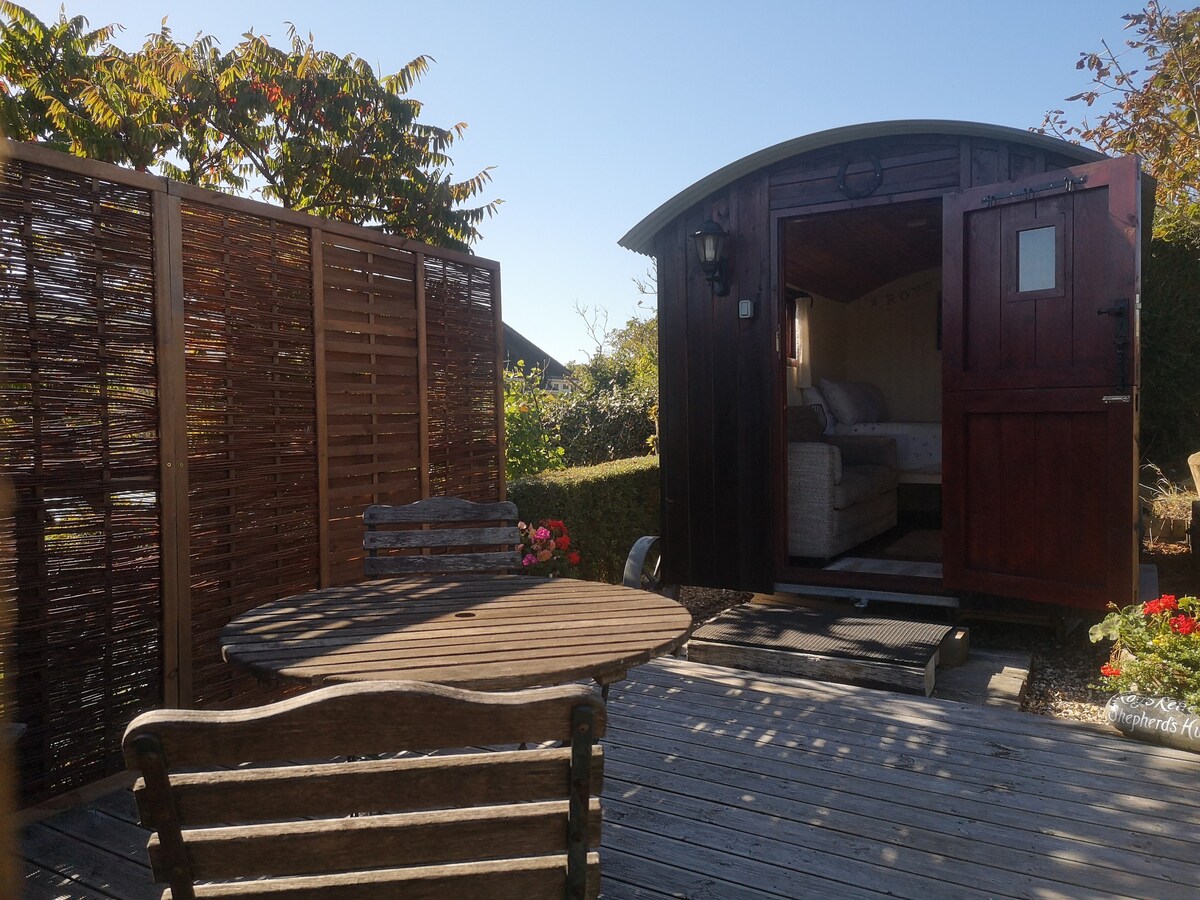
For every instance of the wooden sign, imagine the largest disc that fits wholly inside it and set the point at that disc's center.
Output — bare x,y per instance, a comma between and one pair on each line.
1157,720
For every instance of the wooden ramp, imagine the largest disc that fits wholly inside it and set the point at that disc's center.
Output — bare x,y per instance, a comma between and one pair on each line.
728,784
828,646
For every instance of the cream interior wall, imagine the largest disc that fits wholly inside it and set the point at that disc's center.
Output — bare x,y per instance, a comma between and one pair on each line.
890,339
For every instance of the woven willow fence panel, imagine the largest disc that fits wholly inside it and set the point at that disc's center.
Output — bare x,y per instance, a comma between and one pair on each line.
252,428
200,396
78,437
464,451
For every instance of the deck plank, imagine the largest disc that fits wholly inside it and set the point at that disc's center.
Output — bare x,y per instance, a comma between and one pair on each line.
885,746
101,869
783,751
41,884
997,733
721,783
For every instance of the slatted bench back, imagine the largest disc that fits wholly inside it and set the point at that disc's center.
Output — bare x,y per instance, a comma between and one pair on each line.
513,823
441,536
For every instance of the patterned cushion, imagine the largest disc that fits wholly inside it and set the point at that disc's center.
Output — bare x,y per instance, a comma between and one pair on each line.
854,402
918,444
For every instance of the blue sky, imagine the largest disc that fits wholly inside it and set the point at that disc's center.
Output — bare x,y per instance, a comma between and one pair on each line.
593,114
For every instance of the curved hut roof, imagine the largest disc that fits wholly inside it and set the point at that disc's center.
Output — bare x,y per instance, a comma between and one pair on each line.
640,237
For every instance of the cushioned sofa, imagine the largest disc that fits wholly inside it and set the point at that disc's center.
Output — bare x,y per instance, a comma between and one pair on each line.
859,408
841,489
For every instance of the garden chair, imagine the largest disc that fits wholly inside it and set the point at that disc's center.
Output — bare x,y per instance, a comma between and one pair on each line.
473,544
232,820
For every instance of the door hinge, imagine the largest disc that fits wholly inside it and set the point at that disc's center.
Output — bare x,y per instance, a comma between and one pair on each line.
1067,184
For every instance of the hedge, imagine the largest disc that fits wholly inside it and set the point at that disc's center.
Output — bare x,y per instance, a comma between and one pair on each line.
605,507
1170,413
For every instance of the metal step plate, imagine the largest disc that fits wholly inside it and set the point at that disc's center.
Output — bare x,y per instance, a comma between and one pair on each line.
826,634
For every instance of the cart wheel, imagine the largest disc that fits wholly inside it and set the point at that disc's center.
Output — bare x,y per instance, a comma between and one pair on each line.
643,568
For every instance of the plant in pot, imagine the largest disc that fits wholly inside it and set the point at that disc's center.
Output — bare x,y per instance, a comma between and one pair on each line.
1154,669
545,549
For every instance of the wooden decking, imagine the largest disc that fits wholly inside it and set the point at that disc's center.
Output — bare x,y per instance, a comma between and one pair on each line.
727,784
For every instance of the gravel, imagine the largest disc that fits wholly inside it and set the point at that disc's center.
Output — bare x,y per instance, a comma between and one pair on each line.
1062,671
1064,666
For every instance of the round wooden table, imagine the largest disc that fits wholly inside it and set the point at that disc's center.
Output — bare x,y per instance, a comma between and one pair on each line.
487,633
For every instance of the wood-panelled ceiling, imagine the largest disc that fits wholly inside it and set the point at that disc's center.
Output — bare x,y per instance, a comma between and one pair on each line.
844,255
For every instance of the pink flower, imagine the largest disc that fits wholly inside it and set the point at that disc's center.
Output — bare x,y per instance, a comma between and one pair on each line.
529,559
542,534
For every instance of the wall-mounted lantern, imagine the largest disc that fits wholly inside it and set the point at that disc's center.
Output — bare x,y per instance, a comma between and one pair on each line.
710,242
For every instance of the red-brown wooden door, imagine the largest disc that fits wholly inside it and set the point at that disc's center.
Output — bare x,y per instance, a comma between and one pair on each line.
1041,282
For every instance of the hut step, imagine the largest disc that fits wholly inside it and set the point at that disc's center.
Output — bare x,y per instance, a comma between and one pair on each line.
870,651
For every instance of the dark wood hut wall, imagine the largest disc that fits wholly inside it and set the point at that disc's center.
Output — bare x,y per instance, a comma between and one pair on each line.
201,394
721,391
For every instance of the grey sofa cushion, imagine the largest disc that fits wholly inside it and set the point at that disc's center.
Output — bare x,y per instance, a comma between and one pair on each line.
861,484
854,402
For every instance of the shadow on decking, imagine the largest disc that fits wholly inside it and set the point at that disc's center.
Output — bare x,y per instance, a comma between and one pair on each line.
725,784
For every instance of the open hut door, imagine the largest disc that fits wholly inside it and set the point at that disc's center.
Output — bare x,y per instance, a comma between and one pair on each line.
1041,282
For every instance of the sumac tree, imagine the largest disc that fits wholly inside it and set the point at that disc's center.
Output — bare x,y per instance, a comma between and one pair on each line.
303,127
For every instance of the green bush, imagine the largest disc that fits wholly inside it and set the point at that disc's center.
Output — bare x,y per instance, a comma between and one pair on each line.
1170,345
602,425
529,447
606,507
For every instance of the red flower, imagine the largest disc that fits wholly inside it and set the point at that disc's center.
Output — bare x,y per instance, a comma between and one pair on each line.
563,542
1163,604
557,523
1184,625
1109,671
573,557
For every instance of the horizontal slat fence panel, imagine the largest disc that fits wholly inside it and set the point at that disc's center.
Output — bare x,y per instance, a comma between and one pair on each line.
79,440
372,389
275,437
251,427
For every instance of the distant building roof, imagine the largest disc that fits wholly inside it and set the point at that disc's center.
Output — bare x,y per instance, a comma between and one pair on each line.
517,347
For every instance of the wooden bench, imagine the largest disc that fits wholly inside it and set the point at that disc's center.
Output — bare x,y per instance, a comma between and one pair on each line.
481,537
507,824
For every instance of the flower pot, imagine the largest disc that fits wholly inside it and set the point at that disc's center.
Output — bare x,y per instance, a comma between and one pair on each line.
1159,528
1156,720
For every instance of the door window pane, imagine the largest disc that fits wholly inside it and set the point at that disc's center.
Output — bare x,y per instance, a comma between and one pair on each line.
1036,259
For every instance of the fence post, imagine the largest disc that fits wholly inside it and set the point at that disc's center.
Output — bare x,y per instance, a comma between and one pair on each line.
422,374
173,458
320,386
